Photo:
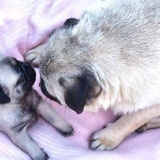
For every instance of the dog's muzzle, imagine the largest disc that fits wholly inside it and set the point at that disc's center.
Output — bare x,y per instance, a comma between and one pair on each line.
27,74
46,93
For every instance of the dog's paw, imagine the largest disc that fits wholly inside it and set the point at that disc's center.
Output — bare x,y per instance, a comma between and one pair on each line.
33,57
43,156
105,139
66,131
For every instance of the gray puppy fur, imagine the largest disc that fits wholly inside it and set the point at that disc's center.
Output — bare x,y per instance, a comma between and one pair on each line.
110,58
20,106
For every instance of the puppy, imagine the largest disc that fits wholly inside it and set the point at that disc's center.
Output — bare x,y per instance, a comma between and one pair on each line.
110,58
20,106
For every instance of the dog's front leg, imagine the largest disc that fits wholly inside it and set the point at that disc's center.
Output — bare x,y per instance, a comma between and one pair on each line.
26,143
47,112
33,55
110,137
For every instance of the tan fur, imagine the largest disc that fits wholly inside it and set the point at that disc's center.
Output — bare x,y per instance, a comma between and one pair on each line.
118,43
114,134
20,106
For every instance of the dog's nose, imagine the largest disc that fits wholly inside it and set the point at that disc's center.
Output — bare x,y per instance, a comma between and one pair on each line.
24,64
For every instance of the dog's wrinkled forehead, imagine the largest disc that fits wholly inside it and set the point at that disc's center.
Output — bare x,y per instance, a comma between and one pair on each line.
7,64
63,53
7,61
7,70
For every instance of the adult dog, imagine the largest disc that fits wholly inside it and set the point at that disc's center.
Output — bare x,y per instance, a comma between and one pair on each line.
110,58
20,106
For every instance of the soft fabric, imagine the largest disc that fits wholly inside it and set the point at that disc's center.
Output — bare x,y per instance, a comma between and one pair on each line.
27,23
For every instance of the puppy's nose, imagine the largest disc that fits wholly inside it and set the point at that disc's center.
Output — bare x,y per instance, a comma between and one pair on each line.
24,64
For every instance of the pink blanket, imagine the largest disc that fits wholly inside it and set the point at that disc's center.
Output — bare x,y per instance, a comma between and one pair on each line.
25,24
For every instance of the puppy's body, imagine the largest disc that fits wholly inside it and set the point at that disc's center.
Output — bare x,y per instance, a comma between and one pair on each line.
21,105
109,59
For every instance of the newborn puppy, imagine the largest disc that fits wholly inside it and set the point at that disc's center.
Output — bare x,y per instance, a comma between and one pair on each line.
20,106
110,58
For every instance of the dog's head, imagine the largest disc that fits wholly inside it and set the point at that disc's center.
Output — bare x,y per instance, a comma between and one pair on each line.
66,74
16,79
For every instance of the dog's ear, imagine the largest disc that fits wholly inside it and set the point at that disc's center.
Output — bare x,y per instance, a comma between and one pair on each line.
81,91
3,97
70,22
67,24
75,94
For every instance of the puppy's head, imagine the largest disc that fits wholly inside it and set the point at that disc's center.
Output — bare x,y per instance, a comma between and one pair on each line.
66,74
16,79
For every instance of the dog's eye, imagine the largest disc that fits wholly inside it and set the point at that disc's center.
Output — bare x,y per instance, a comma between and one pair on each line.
61,82
18,69
18,91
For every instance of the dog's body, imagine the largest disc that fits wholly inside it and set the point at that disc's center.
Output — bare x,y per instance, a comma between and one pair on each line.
110,58
20,106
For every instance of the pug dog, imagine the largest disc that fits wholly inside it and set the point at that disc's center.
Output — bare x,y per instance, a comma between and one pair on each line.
20,106
109,58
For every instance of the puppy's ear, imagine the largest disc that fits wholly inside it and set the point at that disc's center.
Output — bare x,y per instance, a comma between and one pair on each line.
70,22
80,92
3,97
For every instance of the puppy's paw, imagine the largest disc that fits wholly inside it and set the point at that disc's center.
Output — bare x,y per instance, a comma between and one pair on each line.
66,130
43,156
105,139
46,157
